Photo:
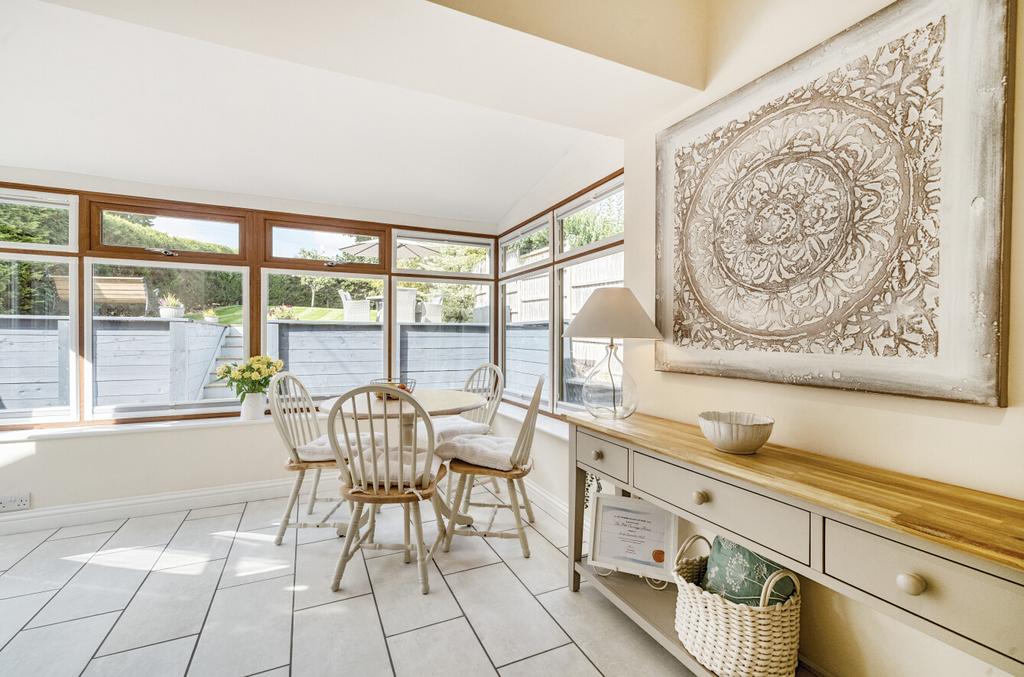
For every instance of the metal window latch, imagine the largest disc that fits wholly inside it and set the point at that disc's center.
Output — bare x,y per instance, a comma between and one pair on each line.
160,250
330,264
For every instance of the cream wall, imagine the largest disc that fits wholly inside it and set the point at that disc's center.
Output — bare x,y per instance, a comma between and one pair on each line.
62,469
968,445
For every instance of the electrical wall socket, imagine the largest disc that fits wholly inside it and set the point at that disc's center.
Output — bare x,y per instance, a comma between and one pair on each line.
15,502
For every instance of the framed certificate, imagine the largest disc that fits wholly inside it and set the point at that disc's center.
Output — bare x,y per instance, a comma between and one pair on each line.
633,536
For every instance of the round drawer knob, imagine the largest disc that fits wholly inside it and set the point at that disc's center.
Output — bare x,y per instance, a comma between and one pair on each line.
701,497
912,584
597,454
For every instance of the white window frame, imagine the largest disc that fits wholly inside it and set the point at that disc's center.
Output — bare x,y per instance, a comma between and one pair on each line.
581,203
486,242
118,411
44,199
537,224
559,404
396,367
53,414
547,405
265,274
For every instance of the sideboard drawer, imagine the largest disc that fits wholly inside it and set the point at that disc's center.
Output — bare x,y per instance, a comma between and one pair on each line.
967,601
611,459
773,524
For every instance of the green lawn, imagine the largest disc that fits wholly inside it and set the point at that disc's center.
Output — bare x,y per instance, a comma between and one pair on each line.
233,314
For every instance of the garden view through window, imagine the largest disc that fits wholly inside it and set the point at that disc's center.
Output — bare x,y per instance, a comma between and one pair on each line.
39,220
174,233
443,331
159,332
595,219
324,245
36,339
530,248
328,328
527,304
442,255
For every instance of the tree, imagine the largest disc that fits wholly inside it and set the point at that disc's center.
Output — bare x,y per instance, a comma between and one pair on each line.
315,283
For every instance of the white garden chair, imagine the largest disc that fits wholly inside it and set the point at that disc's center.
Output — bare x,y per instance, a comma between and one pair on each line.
498,457
382,466
295,416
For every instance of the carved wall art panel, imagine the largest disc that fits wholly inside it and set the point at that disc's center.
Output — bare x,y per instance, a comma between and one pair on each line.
840,221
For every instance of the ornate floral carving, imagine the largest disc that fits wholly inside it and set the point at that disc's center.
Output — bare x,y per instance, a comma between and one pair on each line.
811,224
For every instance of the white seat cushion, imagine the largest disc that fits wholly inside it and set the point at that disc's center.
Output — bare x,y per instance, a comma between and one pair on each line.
489,451
320,448
394,468
449,427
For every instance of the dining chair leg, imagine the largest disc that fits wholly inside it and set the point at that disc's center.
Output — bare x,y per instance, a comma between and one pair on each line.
373,523
421,549
351,536
312,494
497,487
514,500
405,532
448,487
292,500
468,494
526,500
457,501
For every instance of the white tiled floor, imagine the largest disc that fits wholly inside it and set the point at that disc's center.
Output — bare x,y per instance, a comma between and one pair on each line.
206,592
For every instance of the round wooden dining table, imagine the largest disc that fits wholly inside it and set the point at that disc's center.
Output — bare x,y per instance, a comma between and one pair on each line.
436,402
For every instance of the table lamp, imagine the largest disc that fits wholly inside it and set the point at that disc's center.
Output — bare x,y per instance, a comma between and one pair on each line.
612,313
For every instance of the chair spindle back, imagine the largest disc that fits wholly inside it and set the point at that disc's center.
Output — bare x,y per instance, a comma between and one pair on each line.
488,382
524,443
294,412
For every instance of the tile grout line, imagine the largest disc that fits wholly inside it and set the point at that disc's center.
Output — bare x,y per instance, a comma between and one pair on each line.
145,646
32,550
216,588
295,584
539,653
572,640
28,594
96,533
263,672
380,620
132,598
333,601
57,590
239,585
468,622
421,627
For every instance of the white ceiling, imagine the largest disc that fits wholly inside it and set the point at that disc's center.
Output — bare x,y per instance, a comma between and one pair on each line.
398,106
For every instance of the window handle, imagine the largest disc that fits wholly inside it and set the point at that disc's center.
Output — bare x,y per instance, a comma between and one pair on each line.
159,250
330,264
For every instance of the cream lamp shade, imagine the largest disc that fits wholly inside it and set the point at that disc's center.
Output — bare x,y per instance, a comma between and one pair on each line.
612,312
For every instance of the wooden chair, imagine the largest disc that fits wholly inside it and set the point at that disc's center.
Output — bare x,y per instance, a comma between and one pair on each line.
380,466
488,382
515,453
295,417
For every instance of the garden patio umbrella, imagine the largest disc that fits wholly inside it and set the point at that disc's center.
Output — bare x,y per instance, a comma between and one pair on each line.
406,250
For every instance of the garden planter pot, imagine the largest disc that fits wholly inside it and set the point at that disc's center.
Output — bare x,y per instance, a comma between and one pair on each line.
170,313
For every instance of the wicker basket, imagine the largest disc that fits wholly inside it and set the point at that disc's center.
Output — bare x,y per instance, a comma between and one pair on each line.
735,640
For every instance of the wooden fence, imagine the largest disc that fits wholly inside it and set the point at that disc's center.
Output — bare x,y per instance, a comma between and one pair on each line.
34,365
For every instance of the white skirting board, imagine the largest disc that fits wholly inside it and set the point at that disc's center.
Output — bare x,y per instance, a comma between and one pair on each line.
135,506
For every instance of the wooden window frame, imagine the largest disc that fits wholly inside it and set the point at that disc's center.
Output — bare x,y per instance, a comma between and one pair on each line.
462,238
96,246
267,222
553,265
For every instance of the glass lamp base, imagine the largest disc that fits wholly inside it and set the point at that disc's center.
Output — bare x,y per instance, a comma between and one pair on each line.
608,389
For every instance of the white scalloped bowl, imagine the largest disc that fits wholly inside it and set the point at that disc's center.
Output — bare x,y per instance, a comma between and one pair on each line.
736,432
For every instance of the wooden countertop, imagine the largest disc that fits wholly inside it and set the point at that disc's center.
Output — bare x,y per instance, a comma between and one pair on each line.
974,522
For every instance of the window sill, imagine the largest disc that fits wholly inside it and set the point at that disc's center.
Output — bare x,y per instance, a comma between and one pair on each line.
546,424
125,429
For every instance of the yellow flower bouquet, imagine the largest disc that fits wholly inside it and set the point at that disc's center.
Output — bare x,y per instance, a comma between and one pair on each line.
251,376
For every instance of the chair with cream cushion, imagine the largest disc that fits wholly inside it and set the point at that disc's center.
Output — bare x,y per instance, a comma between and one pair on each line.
380,466
498,457
488,382
295,416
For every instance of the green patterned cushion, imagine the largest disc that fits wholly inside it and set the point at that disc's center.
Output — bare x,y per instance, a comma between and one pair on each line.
739,575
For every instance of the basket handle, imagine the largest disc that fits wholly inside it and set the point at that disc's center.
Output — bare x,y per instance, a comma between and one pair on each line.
769,585
686,546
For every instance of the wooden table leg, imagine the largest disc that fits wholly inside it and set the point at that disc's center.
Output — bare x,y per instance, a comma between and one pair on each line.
577,490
